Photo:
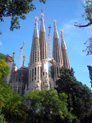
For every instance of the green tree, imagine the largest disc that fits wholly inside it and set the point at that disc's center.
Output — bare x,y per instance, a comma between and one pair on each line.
4,70
11,109
16,9
88,16
90,74
47,106
2,56
79,96
10,104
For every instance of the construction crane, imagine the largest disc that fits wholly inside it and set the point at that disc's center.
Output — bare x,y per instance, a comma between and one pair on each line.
21,54
49,42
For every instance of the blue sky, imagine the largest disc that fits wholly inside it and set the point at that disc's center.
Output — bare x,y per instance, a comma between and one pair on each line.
66,12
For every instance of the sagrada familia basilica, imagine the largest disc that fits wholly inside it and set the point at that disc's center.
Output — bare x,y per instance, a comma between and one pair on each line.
38,75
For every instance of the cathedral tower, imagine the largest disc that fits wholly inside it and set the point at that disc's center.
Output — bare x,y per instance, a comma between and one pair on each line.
64,52
43,53
36,75
34,79
57,54
42,39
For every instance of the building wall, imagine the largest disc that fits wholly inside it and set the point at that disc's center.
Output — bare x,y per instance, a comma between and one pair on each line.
20,80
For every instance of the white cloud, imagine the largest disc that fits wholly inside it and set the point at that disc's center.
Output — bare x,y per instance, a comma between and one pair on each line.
0,43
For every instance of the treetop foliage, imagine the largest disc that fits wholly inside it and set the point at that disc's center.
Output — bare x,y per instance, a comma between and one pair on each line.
2,56
88,16
87,13
88,44
79,96
16,9
10,102
90,74
4,69
47,106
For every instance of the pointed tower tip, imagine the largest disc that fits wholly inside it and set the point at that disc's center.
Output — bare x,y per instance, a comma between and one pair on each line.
63,44
55,30
62,30
54,23
42,28
36,28
42,15
62,33
36,19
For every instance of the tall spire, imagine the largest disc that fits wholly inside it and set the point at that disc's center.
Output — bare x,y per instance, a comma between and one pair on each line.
36,34
64,51
56,45
43,51
55,30
56,54
42,39
35,49
63,42
49,41
35,63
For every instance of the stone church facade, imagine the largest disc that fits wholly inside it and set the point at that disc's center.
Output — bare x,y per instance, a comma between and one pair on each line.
38,75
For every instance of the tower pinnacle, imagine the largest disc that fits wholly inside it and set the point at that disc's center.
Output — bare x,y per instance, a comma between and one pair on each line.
62,33
54,23
42,15
36,28
42,28
56,53
36,19
62,37
55,30
64,52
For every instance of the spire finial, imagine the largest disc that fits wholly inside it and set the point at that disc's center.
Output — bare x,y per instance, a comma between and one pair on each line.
62,33
36,19
42,15
55,23
13,55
